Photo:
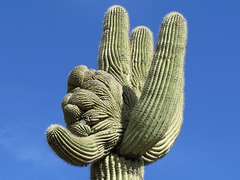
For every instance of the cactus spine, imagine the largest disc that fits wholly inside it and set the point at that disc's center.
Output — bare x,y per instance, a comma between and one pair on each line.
128,113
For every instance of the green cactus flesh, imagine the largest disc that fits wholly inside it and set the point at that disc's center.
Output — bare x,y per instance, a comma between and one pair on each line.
128,113
114,167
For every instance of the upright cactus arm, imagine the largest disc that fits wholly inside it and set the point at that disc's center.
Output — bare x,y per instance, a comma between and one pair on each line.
161,101
141,57
114,50
128,62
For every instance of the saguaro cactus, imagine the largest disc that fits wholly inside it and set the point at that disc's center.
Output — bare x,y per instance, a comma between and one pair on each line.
128,113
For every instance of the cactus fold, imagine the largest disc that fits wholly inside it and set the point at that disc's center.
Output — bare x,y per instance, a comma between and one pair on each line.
128,113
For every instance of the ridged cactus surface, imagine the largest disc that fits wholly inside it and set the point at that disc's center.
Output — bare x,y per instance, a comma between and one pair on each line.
114,167
128,113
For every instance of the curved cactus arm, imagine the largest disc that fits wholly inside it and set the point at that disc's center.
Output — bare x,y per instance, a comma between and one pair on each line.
80,151
163,146
114,50
141,56
157,106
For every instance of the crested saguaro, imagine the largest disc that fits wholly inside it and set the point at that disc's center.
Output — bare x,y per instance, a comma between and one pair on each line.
128,113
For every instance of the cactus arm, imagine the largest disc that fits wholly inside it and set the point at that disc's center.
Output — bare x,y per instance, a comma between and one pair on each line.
141,56
160,149
80,151
157,107
114,50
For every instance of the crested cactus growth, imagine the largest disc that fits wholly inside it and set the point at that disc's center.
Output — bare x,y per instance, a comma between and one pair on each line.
128,113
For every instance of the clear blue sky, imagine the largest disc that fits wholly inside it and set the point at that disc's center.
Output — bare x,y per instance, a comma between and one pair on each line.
42,40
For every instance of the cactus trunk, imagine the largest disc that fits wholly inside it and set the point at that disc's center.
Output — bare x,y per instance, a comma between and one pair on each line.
113,167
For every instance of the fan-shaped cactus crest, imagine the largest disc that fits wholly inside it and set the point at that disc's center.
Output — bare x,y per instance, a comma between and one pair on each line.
128,113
